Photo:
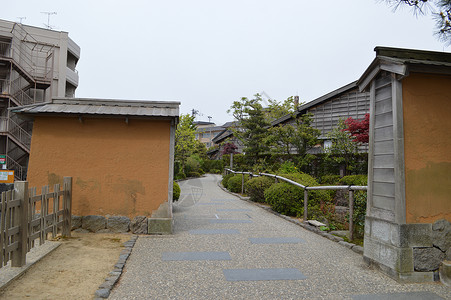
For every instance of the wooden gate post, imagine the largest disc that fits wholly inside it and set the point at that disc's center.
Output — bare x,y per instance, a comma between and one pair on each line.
67,206
18,257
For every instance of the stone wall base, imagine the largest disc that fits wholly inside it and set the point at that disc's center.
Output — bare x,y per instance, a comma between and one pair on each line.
120,224
407,252
159,225
408,277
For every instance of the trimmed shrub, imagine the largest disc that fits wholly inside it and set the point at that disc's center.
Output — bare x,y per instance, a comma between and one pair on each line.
225,179
175,191
180,175
214,171
234,183
194,174
192,165
354,180
316,202
285,198
330,179
255,188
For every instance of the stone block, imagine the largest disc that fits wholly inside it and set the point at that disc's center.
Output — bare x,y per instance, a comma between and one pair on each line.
399,260
93,223
445,273
118,224
448,254
76,222
415,277
427,259
381,230
159,226
102,293
441,234
414,235
139,225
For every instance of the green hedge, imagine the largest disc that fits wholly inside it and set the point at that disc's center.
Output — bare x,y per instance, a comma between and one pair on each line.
234,183
288,199
255,188
285,198
354,180
175,191
225,179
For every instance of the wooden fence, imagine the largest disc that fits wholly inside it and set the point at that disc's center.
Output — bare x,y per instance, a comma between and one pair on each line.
26,216
350,190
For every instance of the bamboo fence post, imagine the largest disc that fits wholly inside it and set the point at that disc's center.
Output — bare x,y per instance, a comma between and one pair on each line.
18,258
305,205
67,206
242,183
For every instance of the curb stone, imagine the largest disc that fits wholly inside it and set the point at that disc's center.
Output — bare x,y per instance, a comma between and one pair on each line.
104,290
356,248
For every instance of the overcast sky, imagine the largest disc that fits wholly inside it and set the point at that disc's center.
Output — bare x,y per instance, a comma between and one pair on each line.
210,53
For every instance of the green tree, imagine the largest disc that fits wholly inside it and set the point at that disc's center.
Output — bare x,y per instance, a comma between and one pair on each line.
343,148
440,10
294,138
277,109
252,126
185,139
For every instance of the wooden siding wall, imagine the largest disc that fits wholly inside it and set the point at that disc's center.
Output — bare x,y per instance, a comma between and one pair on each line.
350,104
383,178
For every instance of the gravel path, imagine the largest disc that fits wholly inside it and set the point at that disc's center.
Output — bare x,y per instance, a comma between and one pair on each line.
226,248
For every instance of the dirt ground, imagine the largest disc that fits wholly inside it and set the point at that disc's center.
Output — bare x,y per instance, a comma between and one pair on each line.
73,271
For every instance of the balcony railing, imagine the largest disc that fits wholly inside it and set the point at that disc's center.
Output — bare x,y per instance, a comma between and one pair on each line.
8,125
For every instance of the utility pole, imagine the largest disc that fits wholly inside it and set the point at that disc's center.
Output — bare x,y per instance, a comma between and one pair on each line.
48,13
209,121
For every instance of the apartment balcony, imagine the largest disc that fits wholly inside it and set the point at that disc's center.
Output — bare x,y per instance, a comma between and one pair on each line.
72,76
16,133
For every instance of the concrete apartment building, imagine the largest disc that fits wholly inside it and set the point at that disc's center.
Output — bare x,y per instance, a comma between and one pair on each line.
36,64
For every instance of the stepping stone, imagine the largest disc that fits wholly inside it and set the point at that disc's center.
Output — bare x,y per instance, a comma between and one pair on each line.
211,203
399,296
214,231
225,221
233,209
276,240
263,274
316,223
177,256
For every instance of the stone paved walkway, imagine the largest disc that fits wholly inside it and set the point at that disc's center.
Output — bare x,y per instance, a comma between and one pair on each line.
226,248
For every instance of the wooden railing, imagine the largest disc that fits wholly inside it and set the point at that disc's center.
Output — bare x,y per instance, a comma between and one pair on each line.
350,189
26,217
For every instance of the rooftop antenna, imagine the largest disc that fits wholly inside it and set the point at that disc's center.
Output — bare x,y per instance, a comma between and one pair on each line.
48,13
21,18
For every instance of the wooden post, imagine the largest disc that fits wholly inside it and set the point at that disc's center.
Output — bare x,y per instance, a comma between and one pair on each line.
305,205
67,206
242,183
56,198
19,256
351,215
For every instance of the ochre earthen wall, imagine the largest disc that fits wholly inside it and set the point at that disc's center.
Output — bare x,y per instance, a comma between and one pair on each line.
117,168
427,147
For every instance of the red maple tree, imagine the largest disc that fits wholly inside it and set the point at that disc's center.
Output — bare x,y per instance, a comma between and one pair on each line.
358,128
229,148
